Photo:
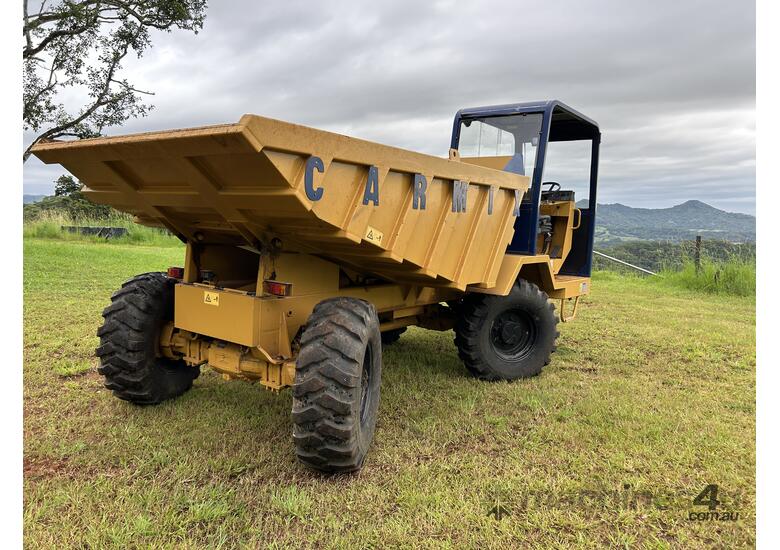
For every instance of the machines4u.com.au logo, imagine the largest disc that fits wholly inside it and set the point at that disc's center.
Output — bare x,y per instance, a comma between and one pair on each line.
709,498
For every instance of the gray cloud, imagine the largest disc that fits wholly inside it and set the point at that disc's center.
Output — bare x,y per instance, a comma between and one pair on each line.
672,84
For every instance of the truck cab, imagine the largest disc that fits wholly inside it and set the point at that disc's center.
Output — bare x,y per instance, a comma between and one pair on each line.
558,148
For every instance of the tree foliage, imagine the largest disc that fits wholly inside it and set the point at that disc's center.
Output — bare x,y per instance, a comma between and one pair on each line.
73,206
660,255
68,201
66,185
78,46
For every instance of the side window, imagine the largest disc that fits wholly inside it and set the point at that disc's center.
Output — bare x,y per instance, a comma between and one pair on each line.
568,163
528,149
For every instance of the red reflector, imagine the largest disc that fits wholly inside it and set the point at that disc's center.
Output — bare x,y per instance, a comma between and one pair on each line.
176,272
277,289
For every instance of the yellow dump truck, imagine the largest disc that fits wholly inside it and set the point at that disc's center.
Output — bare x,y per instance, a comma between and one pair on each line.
307,251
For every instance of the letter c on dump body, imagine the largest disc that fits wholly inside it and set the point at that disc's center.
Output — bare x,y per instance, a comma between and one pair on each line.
312,163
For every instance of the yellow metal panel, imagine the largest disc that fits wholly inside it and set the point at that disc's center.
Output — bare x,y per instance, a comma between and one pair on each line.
307,274
562,213
244,183
497,163
538,270
234,319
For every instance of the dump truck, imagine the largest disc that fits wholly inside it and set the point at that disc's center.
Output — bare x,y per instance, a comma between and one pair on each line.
308,251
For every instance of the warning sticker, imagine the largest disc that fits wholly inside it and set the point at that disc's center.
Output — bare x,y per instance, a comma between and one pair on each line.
374,235
211,298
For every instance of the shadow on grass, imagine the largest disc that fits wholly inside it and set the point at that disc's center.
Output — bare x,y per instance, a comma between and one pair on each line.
424,353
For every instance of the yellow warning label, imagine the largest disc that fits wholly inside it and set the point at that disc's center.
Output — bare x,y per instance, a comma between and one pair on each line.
374,235
211,298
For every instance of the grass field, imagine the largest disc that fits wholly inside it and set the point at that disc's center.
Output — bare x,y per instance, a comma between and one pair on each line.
650,397
48,225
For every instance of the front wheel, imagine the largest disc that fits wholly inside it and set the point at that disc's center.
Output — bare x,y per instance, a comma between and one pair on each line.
336,389
507,337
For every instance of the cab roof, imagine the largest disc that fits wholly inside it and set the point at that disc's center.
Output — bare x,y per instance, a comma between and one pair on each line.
566,124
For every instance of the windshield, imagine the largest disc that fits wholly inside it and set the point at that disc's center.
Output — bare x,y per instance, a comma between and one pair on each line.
509,142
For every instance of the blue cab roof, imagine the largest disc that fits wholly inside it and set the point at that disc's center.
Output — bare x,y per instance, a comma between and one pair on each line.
550,106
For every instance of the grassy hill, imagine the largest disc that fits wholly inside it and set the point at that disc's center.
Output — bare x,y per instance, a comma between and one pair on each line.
674,256
650,397
617,222
30,199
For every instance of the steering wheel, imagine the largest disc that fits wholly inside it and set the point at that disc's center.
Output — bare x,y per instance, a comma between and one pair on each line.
554,185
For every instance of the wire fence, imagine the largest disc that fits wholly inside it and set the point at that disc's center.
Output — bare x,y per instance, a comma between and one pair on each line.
657,256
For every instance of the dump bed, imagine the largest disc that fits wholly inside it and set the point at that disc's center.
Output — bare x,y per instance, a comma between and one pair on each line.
375,208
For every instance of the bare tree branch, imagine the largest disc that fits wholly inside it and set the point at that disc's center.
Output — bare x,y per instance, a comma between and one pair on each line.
100,101
93,9
53,36
51,83
81,44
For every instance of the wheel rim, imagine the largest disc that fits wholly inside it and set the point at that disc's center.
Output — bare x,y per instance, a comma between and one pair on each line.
513,334
365,387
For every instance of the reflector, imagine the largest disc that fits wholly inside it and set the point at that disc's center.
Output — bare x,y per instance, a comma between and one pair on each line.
277,289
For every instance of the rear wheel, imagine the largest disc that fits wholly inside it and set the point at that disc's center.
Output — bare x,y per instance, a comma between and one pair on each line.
336,389
507,337
129,338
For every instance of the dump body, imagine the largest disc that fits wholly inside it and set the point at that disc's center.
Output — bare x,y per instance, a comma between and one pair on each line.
374,208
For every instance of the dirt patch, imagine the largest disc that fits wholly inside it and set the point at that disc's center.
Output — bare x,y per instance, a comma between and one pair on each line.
46,467
579,368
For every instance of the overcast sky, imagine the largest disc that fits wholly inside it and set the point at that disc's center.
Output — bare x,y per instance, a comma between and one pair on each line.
672,84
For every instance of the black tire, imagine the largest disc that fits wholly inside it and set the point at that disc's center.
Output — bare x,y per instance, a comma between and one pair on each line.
507,337
336,390
390,337
129,338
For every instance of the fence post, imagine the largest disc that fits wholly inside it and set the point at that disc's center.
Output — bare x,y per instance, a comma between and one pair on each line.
697,254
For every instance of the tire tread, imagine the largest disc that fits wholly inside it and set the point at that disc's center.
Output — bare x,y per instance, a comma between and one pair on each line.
472,318
127,337
327,380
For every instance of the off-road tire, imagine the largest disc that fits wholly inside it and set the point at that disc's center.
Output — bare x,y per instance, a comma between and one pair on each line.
336,389
390,337
507,337
129,339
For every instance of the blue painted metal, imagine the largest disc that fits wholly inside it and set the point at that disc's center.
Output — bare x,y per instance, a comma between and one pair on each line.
559,123
514,109
516,165
418,197
372,186
312,163
460,190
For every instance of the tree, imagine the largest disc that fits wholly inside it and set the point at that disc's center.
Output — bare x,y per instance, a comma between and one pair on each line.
74,207
79,45
66,185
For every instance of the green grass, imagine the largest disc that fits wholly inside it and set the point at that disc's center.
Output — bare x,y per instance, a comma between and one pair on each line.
49,226
737,277
650,397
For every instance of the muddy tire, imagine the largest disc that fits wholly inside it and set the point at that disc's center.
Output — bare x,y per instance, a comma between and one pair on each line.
336,390
129,339
390,337
507,337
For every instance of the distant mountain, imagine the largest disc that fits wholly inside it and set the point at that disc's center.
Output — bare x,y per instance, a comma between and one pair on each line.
29,199
618,222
